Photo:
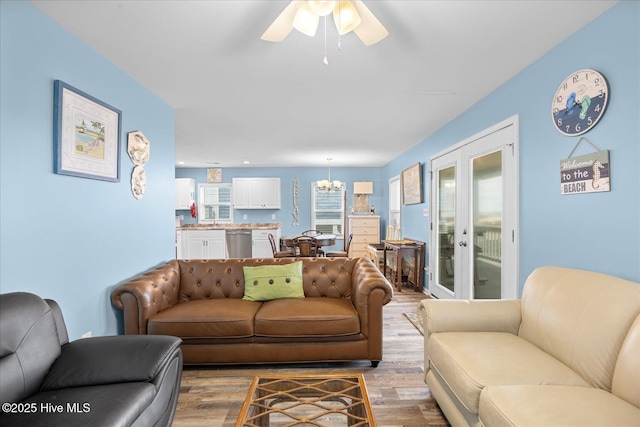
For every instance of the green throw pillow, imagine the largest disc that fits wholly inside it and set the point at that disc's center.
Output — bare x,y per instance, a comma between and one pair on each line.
269,282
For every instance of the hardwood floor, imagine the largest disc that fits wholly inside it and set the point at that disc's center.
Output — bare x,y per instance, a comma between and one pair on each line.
213,396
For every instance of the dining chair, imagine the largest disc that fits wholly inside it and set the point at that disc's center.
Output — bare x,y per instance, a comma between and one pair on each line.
314,233
341,254
306,246
276,252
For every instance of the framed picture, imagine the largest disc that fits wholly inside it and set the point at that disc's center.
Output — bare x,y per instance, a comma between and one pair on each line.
214,175
86,135
412,185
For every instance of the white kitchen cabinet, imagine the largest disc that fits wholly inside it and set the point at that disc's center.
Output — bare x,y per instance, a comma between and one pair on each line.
203,244
256,193
179,244
261,247
185,193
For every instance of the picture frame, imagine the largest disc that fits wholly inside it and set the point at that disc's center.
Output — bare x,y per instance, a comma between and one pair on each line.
411,179
86,133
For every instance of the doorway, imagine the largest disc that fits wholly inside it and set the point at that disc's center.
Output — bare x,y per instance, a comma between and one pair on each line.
474,200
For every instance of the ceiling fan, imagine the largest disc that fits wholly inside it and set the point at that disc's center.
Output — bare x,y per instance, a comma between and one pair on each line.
348,15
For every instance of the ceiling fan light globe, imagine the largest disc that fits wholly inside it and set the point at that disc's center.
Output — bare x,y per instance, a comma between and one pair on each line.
305,20
322,7
346,17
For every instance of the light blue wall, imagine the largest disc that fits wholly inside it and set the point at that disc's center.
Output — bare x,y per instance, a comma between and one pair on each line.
305,177
66,238
598,231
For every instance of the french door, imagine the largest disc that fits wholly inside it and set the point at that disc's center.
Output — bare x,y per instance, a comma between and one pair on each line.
474,225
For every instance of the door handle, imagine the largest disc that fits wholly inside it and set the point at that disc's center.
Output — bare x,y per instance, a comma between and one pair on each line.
462,243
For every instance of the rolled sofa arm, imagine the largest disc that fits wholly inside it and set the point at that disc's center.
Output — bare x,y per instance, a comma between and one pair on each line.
466,316
112,360
469,316
367,280
147,294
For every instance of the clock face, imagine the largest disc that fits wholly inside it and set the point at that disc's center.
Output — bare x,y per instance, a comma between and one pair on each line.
579,102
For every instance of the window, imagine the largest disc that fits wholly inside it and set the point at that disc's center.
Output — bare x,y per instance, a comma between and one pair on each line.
394,202
327,210
214,204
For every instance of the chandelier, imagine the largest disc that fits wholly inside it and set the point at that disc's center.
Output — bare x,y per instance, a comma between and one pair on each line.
327,184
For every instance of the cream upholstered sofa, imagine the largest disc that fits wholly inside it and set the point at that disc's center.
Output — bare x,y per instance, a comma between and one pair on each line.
566,354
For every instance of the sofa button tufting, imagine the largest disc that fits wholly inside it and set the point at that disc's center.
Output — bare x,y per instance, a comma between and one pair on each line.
287,280
255,283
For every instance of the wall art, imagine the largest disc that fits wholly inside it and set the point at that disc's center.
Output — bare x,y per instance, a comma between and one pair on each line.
86,134
412,185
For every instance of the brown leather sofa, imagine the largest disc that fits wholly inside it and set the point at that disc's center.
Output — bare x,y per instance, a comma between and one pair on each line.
200,301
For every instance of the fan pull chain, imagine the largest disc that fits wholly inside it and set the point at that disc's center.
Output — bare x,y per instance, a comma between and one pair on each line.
325,60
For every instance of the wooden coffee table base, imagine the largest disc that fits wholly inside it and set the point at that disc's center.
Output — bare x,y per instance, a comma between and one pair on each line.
307,400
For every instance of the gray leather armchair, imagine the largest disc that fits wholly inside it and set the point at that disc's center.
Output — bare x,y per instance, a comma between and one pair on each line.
45,380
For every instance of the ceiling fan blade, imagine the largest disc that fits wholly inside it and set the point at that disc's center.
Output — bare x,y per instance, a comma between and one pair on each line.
370,31
282,25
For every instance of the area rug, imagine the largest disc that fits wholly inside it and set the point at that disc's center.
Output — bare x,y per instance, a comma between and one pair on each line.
413,318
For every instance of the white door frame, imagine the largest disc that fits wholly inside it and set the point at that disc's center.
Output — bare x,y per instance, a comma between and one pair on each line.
457,154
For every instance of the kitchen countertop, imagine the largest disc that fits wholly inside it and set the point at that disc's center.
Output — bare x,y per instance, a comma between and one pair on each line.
247,226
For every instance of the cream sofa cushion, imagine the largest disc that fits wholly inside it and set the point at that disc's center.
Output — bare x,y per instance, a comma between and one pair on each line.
469,361
532,405
626,377
562,314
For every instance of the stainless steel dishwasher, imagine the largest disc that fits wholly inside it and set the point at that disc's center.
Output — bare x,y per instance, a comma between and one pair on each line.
238,243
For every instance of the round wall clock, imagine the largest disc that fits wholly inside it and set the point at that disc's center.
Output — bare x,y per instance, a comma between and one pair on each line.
579,102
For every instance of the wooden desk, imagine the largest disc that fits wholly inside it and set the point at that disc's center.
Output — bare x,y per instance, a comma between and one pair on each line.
402,248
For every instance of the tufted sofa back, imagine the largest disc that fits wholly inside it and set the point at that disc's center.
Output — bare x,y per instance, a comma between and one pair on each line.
581,318
29,344
224,278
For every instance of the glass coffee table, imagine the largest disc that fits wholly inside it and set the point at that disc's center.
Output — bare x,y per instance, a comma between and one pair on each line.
307,400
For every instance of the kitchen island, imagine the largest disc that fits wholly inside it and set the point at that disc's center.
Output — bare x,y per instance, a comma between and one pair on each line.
219,241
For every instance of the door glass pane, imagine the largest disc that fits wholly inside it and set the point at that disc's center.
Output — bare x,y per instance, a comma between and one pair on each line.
487,226
446,225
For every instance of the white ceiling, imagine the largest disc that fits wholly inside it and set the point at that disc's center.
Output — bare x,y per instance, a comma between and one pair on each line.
238,98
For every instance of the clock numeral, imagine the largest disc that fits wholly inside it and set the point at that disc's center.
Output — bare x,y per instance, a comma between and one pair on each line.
559,122
578,127
597,81
601,94
567,127
559,99
576,78
589,121
556,111
597,108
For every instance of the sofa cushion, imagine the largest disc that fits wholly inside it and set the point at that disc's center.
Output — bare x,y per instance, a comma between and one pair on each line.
579,317
29,344
270,282
469,361
308,317
228,317
548,405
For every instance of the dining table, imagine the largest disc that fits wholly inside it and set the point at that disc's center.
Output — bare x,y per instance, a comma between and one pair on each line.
323,240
